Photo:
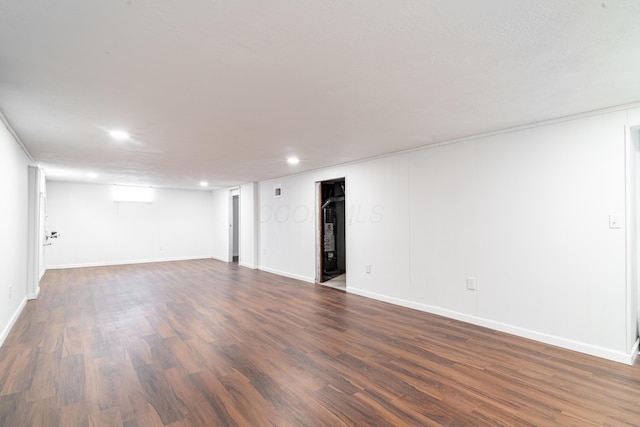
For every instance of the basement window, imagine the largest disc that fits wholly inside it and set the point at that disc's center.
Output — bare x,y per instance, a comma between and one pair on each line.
122,193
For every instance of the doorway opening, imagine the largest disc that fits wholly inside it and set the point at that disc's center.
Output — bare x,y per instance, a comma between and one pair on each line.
633,235
234,225
36,230
331,264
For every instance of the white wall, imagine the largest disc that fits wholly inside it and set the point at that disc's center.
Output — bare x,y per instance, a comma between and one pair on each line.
95,230
42,221
547,261
633,233
248,225
287,234
13,229
220,222
377,203
525,212
35,230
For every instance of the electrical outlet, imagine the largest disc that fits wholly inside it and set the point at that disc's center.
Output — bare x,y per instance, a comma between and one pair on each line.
10,292
614,221
471,283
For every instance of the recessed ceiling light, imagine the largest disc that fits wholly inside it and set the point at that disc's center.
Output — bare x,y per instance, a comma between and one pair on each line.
92,175
204,183
120,135
293,160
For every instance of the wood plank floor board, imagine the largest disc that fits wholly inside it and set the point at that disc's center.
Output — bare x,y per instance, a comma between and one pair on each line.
216,397
44,380
159,393
9,408
200,343
198,409
70,381
42,412
254,408
20,376
106,418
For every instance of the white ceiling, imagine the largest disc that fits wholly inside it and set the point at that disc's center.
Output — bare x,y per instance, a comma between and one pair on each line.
225,90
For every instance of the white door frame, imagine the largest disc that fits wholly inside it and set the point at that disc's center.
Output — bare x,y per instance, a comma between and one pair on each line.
632,184
232,193
35,227
319,229
318,221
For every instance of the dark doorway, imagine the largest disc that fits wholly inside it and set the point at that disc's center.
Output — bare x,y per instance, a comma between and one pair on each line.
332,257
235,232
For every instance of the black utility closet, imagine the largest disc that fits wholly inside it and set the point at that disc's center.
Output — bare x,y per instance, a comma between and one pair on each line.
333,229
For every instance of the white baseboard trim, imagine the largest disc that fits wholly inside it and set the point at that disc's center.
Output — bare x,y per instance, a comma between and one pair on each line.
12,321
242,264
44,270
34,295
634,351
251,266
289,275
593,350
127,262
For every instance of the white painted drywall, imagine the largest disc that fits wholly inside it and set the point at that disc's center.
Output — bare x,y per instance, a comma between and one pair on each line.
95,230
378,227
633,211
547,260
442,205
35,231
632,235
524,212
220,223
13,229
287,224
42,220
248,225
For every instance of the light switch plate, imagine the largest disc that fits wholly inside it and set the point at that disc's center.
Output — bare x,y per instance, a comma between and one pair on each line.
471,283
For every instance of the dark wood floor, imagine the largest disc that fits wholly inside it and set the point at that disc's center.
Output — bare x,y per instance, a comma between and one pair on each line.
203,343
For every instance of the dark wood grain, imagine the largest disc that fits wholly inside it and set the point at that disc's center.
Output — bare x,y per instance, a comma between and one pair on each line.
204,343
70,383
